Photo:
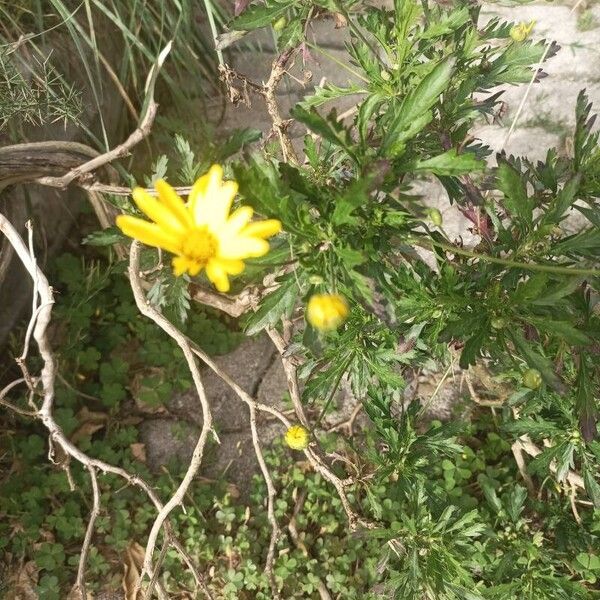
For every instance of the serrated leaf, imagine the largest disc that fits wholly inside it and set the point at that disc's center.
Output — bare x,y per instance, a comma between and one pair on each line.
447,24
536,360
585,243
415,111
585,402
237,140
367,109
512,184
450,163
564,199
106,237
489,491
472,348
330,92
592,487
276,305
563,329
259,15
329,128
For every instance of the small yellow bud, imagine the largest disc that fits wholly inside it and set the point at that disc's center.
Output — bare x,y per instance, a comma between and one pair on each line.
279,24
521,31
296,437
326,311
385,75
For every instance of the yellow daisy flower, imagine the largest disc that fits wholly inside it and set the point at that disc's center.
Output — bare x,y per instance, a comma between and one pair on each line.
326,311
296,437
200,233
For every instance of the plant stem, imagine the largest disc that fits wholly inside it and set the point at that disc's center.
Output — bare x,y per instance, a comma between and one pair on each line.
428,243
213,28
337,61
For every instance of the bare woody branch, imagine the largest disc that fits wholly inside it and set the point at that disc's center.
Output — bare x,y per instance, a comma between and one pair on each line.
39,323
177,498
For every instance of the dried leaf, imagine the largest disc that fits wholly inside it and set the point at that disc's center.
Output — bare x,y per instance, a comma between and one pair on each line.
91,422
340,20
132,566
139,451
23,582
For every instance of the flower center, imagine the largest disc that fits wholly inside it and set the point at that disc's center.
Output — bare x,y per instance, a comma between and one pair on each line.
200,245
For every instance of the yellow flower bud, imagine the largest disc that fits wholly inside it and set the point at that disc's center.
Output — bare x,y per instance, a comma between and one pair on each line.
521,31
326,311
279,24
296,437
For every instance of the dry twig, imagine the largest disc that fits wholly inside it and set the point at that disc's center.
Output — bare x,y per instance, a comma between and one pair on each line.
39,323
177,498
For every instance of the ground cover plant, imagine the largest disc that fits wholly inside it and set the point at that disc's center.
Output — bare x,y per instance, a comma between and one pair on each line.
323,242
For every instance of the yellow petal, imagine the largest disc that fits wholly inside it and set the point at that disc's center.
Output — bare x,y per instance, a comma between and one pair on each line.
148,233
157,212
230,266
262,229
180,265
217,275
218,204
244,247
239,218
201,191
169,197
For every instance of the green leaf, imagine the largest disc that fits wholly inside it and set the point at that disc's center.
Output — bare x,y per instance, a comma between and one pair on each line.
350,257
236,141
328,128
447,24
515,502
563,329
353,197
259,15
415,112
592,487
564,462
330,92
590,562
585,402
367,109
105,237
472,348
586,243
536,360
564,199
489,491
450,163
512,184
273,307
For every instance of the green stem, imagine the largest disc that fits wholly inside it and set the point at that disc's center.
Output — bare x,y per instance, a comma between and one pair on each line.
428,243
334,389
213,28
359,34
337,61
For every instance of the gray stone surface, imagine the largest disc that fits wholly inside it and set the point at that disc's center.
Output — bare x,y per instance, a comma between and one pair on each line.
247,366
255,366
167,440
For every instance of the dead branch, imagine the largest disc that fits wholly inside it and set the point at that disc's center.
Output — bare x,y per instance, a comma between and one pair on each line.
177,498
40,321
87,540
278,70
103,159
